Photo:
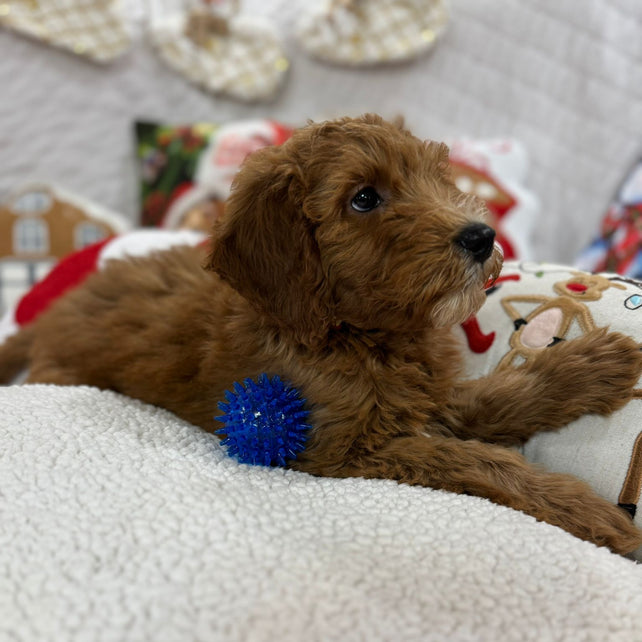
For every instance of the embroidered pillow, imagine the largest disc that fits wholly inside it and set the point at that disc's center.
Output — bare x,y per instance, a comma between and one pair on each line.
531,308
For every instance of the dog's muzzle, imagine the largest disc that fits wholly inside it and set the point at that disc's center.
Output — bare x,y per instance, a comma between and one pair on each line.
478,240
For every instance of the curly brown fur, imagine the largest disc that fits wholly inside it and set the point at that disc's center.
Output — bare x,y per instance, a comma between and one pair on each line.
356,310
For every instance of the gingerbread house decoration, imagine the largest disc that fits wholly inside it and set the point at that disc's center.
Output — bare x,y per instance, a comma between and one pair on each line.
39,224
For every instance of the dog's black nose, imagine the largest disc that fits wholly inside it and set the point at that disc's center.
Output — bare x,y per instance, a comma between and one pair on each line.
478,239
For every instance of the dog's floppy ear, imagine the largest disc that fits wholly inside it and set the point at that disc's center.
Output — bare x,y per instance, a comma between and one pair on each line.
264,246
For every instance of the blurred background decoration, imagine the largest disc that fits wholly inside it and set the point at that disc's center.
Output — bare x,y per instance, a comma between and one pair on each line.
147,108
94,29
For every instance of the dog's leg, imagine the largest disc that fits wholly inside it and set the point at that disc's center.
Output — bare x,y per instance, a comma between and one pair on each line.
14,354
54,375
504,477
592,374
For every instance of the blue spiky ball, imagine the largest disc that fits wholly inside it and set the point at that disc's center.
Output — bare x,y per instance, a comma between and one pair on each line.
265,422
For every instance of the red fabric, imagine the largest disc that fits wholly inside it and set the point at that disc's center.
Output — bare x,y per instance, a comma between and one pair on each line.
576,287
508,277
178,191
478,342
283,132
66,274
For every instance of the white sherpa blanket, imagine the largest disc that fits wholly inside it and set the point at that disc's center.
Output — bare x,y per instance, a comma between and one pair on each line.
120,522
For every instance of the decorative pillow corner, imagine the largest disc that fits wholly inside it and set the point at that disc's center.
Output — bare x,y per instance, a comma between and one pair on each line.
618,245
39,224
186,171
495,170
533,306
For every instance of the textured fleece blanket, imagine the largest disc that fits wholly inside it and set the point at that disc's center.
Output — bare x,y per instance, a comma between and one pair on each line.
120,522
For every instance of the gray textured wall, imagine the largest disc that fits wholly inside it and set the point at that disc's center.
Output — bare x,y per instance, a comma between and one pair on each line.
565,78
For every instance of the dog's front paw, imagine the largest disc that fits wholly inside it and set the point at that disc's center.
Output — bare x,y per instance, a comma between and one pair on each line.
617,363
596,372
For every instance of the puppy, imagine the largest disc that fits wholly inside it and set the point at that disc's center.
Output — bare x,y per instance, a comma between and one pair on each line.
343,261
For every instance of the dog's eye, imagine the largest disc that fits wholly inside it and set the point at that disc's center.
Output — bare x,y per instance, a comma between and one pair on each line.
366,200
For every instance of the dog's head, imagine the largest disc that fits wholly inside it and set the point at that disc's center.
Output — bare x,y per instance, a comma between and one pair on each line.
354,222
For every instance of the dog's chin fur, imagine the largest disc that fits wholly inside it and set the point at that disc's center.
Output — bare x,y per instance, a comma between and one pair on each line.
355,309
460,304
457,307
